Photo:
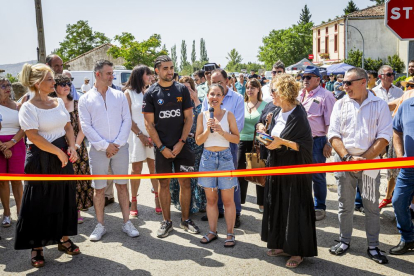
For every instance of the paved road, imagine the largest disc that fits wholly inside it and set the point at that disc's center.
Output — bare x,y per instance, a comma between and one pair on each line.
182,254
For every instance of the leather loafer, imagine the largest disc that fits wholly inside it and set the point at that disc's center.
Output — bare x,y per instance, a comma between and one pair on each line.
337,250
402,248
205,218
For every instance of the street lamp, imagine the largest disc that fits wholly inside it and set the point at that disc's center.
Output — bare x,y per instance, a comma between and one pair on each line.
363,42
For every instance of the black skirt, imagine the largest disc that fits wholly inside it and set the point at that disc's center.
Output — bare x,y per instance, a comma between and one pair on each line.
48,209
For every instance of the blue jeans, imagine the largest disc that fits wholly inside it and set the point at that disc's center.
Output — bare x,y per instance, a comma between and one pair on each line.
237,199
319,179
403,194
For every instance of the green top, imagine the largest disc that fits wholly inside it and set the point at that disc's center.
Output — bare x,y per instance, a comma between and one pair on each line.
250,120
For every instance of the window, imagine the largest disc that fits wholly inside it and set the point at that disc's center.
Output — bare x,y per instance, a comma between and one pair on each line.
336,43
336,28
326,44
125,77
326,30
319,45
319,32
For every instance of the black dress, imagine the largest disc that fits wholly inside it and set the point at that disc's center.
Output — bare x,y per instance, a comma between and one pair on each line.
289,215
48,209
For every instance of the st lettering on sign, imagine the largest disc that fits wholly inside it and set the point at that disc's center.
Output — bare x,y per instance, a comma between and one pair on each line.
399,18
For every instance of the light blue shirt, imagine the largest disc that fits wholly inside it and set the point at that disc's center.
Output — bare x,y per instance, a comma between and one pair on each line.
241,88
74,93
105,121
232,102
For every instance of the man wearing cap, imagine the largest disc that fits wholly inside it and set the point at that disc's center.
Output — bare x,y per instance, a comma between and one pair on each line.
85,87
318,103
330,84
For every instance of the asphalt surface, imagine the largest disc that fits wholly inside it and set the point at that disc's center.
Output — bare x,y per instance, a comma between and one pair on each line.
182,254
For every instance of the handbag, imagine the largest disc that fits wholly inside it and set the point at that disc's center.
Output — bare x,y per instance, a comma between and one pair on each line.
253,161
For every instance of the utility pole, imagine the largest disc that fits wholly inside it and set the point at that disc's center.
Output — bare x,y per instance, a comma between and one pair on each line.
40,32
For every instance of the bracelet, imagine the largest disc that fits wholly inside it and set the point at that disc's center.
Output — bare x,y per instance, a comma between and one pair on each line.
183,141
14,141
77,146
161,148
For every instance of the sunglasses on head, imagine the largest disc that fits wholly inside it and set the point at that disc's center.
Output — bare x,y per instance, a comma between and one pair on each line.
389,74
349,83
4,86
63,84
308,77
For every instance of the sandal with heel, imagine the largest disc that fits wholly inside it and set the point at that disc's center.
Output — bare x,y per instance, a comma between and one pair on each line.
68,250
134,213
38,260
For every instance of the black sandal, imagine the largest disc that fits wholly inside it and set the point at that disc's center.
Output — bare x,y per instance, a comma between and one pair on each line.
68,250
209,240
38,260
233,240
337,250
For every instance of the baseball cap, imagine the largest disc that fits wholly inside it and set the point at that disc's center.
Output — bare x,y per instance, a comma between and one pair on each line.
312,70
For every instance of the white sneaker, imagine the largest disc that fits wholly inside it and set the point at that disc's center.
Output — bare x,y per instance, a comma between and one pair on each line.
97,233
130,229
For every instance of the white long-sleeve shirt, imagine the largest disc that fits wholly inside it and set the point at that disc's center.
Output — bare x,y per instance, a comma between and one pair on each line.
358,126
105,121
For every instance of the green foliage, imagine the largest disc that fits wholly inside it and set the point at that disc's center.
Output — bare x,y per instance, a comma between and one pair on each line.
193,54
400,79
305,16
352,7
373,64
234,59
354,58
135,52
396,63
288,45
247,66
174,56
378,2
203,51
184,63
11,78
79,39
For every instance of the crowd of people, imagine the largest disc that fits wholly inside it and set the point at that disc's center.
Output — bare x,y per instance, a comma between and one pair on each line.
202,123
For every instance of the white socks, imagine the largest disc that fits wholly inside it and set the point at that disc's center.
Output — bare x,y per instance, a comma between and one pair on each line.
344,246
373,251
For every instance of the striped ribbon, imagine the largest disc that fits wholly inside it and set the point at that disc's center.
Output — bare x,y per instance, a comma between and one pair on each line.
393,163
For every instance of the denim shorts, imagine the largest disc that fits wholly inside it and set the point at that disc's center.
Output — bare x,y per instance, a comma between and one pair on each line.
217,161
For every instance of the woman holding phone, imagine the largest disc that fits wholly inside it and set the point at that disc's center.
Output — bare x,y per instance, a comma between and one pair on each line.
216,134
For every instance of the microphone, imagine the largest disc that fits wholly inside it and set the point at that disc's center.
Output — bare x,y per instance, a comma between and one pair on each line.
211,110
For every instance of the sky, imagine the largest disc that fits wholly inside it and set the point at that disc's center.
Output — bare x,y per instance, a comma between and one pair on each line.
223,24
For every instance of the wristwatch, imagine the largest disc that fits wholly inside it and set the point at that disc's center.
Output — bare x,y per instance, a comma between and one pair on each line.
14,141
347,157
77,146
139,133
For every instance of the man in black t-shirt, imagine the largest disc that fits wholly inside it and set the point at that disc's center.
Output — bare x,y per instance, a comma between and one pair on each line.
168,116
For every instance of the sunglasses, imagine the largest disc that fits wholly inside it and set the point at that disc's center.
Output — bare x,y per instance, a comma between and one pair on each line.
388,74
63,84
308,77
5,86
277,72
410,85
349,83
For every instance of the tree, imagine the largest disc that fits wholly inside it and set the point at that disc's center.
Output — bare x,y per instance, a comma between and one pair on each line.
247,66
373,64
203,51
288,45
135,52
234,58
378,2
354,58
79,39
174,56
193,54
305,16
184,61
351,7
396,63
11,78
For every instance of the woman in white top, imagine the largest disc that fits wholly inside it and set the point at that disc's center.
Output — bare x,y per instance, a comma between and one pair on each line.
12,148
216,135
48,214
142,148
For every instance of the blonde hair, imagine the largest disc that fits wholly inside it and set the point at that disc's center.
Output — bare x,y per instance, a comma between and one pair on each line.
33,74
287,88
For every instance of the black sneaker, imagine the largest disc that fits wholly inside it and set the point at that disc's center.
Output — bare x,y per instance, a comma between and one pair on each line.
360,209
165,229
109,201
205,218
378,257
189,225
237,222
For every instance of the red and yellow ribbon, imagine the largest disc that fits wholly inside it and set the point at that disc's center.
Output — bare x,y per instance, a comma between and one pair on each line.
394,163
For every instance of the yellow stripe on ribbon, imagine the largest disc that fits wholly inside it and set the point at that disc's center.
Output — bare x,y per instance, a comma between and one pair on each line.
395,163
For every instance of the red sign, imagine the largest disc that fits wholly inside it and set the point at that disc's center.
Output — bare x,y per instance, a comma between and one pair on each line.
310,56
399,18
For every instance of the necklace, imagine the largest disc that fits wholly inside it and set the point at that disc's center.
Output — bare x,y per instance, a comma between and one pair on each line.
250,108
